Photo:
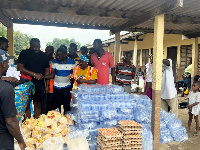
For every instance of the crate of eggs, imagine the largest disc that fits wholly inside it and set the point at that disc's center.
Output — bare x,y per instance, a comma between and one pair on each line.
109,139
131,130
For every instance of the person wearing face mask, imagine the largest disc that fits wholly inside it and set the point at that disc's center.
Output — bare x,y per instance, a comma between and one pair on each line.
35,64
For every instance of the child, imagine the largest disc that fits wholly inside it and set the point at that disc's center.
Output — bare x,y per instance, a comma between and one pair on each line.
194,106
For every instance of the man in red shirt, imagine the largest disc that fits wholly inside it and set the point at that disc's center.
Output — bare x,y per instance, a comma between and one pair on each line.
102,61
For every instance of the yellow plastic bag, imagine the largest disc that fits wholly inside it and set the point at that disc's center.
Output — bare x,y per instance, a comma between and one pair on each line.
186,91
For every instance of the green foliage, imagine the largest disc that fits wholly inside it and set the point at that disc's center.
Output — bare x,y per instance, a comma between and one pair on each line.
57,42
21,42
3,30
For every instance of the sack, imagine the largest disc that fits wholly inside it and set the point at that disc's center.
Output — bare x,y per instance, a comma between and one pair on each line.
77,144
53,143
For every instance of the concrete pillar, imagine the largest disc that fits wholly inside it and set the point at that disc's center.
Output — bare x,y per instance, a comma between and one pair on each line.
178,56
157,78
195,58
11,41
117,48
135,58
141,57
135,53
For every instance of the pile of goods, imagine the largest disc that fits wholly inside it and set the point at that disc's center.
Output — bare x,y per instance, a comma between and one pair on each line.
36,131
109,138
102,106
131,131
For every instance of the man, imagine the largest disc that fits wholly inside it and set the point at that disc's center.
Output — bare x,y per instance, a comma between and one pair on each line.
34,63
9,125
168,90
49,52
84,74
73,52
187,73
125,72
4,44
62,67
102,61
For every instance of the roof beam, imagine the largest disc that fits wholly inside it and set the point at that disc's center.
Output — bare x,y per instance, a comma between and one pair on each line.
181,19
5,20
69,10
164,8
59,24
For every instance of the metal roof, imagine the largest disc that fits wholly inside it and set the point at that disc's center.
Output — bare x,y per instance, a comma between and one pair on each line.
129,15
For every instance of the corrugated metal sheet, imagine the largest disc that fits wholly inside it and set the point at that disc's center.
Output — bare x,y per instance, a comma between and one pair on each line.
59,14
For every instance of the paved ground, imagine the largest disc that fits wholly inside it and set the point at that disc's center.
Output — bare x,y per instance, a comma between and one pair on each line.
194,141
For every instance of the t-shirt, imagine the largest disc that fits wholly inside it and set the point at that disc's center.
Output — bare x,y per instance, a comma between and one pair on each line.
168,90
7,110
188,70
194,97
149,72
62,70
103,65
124,73
83,73
35,62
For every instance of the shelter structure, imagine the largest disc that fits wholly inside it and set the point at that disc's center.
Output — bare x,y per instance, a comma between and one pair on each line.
148,16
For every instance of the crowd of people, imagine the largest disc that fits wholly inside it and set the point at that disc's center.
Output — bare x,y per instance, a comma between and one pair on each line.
54,77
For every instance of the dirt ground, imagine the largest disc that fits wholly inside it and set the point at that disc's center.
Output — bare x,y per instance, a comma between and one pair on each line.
193,142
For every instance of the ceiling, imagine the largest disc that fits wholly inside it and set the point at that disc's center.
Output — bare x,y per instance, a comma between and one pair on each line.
182,16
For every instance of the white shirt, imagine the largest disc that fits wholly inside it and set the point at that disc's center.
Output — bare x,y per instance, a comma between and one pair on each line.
149,72
194,97
168,90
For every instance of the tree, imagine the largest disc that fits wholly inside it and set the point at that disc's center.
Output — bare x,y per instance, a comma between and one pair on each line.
3,30
57,42
21,40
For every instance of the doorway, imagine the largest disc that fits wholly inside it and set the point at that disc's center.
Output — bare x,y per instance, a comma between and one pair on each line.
172,54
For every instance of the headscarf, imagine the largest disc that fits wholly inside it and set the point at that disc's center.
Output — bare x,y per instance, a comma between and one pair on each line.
84,58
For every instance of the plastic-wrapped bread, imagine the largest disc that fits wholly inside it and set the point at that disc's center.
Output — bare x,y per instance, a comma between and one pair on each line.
69,120
65,131
30,147
45,137
63,120
30,141
28,124
54,115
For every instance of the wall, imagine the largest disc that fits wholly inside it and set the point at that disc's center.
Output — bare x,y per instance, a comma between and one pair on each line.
147,43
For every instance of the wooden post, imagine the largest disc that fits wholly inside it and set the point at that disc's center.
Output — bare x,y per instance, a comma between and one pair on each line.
157,78
194,58
117,48
135,58
178,56
11,41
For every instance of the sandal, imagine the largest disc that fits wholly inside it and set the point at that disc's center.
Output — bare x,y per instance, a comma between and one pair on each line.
195,134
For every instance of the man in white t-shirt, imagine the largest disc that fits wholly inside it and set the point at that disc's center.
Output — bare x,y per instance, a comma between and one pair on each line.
168,90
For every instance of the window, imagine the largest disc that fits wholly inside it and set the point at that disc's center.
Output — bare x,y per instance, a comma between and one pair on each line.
145,56
186,53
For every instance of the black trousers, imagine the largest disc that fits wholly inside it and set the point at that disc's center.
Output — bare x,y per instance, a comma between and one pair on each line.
62,96
41,97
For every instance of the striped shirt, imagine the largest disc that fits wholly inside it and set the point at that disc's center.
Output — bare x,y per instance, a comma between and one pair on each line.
62,71
124,73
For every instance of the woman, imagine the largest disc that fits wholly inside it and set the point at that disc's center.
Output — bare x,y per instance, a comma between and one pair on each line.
148,80
84,74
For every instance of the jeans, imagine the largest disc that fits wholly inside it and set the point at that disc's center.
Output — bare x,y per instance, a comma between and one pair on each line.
188,82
